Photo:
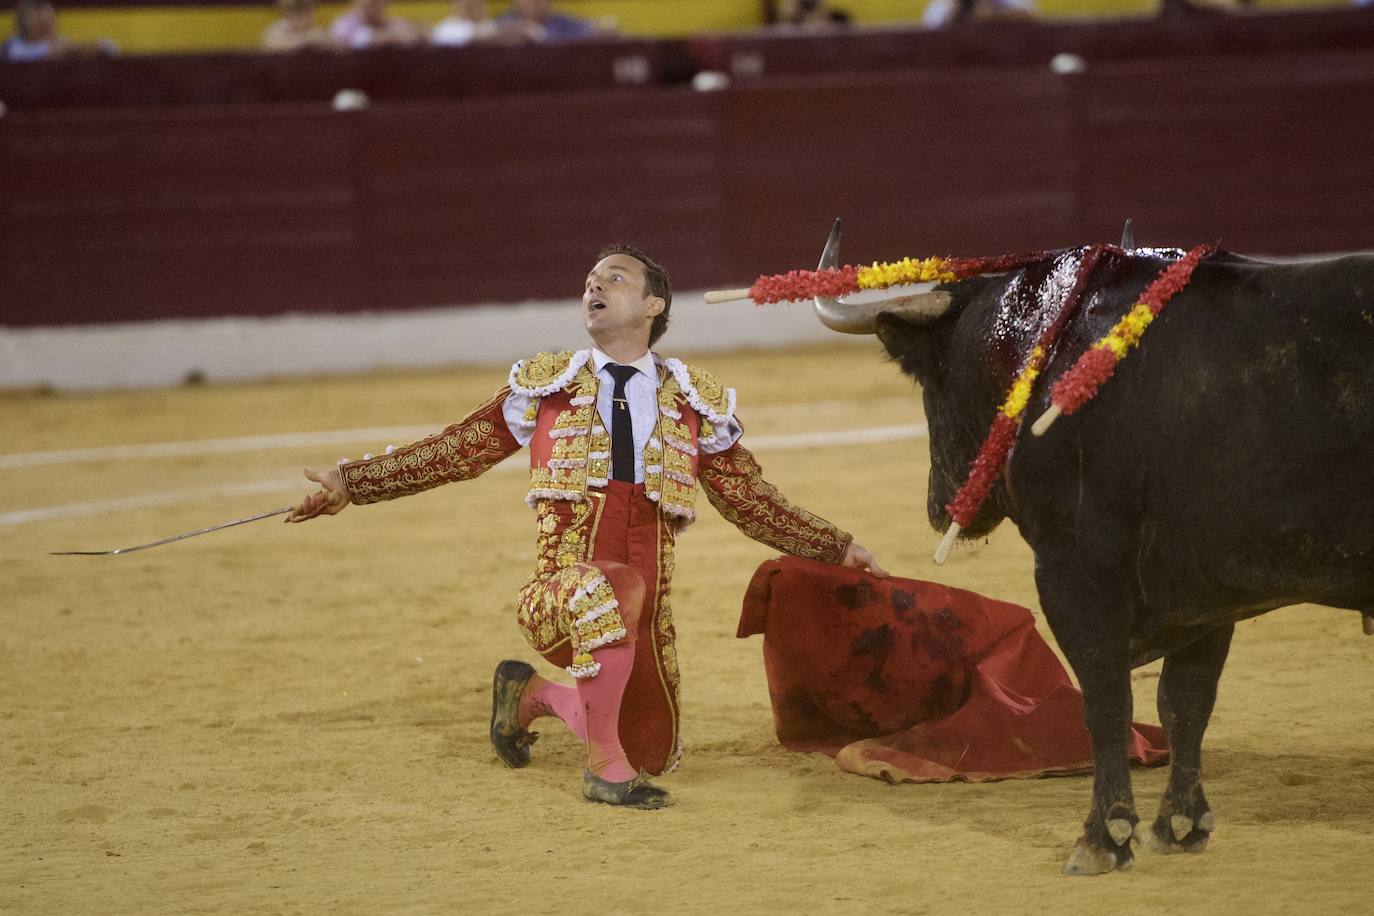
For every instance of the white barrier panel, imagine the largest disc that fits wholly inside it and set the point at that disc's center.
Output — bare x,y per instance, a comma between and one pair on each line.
160,353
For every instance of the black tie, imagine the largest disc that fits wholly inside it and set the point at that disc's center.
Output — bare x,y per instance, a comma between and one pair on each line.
622,432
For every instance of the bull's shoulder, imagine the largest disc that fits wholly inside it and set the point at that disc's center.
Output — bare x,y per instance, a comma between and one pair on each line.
706,394
545,373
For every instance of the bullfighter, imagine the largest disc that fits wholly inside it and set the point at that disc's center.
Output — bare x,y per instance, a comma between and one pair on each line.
619,438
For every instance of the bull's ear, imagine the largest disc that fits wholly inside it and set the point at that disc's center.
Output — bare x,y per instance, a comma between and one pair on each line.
917,347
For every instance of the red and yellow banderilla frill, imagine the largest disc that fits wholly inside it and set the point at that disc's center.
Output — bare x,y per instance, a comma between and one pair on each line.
834,282
1075,388
992,456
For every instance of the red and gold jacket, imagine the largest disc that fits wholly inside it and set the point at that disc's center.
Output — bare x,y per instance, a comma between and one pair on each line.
570,453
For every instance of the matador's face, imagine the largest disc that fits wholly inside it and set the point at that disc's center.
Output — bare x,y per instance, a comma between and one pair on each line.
616,301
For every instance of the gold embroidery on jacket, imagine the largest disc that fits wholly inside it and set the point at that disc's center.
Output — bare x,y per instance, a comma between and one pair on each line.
580,457
710,390
460,452
734,484
543,369
581,446
670,454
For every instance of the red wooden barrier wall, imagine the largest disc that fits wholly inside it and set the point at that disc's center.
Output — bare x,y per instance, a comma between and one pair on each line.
137,213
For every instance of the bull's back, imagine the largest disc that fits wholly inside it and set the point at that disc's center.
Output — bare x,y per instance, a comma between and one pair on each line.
1235,446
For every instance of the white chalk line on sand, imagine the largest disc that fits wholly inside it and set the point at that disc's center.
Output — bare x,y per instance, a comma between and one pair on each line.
150,501
865,436
195,447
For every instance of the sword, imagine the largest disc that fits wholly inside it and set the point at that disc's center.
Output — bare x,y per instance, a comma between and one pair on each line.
190,534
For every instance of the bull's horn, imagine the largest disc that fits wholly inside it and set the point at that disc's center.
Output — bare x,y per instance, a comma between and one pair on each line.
862,317
1127,236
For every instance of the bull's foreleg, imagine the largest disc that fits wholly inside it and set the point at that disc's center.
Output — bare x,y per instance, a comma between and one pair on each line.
1095,639
1106,841
1187,693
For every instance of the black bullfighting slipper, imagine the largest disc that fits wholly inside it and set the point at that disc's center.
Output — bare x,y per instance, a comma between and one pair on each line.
512,743
633,793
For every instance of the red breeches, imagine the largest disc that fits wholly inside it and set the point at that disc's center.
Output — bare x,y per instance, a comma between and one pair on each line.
619,534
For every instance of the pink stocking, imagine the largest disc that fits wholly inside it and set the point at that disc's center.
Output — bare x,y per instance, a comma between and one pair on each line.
601,696
545,698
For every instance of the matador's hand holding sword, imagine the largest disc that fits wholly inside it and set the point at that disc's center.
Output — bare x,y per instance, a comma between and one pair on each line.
329,499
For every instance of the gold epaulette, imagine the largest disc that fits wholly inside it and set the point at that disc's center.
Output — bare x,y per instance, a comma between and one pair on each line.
704,392
545,373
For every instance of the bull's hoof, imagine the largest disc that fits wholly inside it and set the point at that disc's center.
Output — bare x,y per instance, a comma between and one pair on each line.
1179,833
1088,859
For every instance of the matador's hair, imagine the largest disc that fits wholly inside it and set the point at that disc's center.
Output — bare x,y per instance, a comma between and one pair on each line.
656,283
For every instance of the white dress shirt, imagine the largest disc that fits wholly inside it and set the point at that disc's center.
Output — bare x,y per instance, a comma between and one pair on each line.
641,391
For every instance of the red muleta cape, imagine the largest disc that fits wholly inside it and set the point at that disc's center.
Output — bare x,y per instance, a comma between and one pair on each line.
910,681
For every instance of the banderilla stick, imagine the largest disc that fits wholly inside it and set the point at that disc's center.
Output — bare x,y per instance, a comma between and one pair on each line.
180,537
726,295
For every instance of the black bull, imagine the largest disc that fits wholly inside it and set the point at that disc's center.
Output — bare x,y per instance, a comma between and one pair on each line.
1225,470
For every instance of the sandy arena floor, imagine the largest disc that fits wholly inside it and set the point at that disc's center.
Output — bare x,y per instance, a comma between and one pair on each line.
278,719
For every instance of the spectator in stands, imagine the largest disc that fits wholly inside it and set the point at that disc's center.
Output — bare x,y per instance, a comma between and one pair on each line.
297,29
466,24
35,36
535,21
808,14
940,13
369,26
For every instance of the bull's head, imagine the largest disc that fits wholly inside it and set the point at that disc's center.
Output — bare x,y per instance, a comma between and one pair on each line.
917,330
861,317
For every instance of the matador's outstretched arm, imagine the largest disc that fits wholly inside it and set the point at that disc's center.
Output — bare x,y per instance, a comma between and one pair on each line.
461,452
734,484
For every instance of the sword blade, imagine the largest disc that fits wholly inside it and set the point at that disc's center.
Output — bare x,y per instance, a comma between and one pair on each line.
180,537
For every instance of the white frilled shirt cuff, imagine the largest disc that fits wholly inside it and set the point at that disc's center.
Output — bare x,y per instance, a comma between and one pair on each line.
513,412
725,437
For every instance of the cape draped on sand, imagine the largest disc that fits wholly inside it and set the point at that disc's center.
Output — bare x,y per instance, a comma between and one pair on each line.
911,681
